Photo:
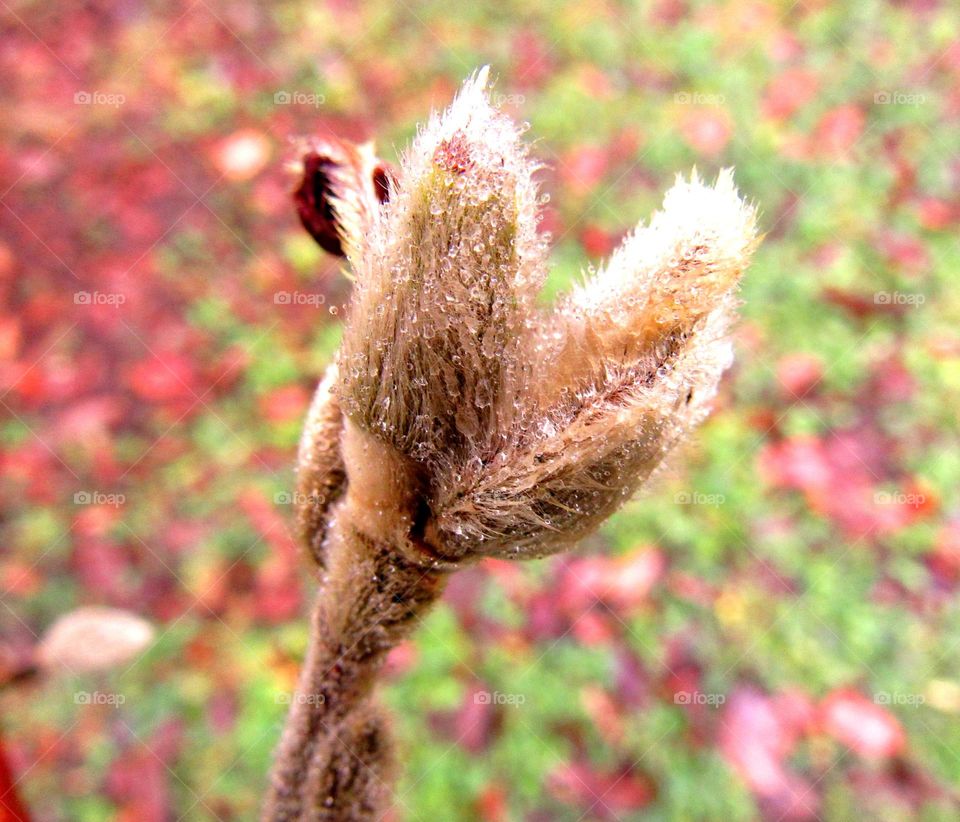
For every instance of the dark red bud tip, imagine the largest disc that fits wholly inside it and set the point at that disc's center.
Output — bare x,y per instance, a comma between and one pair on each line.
381,184
312,198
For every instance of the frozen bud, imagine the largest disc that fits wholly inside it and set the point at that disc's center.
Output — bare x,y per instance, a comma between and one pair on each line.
520,432
656,289
626,366
341,186
431,360
94,639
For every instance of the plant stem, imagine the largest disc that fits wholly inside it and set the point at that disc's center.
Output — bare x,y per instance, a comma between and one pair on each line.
334,759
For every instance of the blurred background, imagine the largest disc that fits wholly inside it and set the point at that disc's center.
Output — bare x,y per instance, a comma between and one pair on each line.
772,632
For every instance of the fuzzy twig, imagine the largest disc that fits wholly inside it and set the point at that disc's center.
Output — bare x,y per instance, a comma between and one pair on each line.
460,421
334,759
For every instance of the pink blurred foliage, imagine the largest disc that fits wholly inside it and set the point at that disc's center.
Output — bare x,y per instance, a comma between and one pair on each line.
844,476
757,735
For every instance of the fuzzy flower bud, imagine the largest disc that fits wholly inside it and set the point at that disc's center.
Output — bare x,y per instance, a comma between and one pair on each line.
460,421
523,431
430,361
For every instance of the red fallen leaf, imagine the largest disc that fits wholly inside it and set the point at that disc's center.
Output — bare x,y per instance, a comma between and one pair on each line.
544,619
96,520
532,59
898,791
90,420
57,379
222,709
101,566
12,808
862,305
622,582
477,721
277,591
269,524
400,659
626,143
628,580
632,683
838,130
597,242
891,381
838,476
798,373
285,404
181,536
753,740
10,337
784,46
583,167
863,726
757,733
707,131
492,804
797,714
935,214
594,628
578,583
31,465
904,252
7,261
788,92
692,589
241,155
604,713
137,782
19,579
798,462
594,81
164,378
683,674
602,794
669,12
943,561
